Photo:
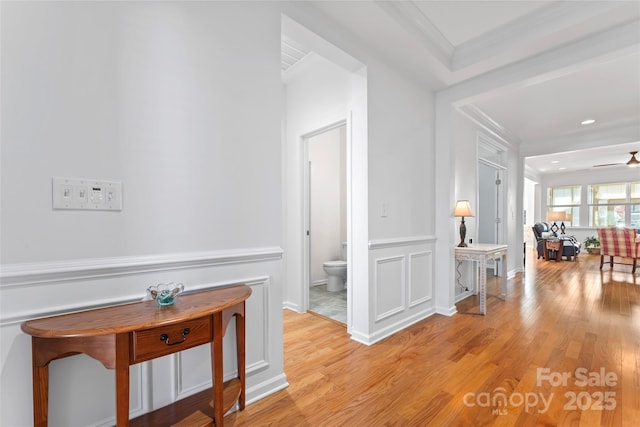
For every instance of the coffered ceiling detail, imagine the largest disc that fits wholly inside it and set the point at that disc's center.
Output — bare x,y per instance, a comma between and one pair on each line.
582,60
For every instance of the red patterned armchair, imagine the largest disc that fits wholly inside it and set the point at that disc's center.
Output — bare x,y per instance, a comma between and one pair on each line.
619,242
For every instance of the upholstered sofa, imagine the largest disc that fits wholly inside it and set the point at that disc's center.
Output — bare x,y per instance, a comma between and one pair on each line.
570,245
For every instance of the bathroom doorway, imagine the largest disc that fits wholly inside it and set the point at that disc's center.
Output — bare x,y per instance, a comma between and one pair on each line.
326,220
492,168
326,89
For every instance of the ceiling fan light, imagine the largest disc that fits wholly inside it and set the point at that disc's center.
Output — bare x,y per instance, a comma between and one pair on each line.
633,162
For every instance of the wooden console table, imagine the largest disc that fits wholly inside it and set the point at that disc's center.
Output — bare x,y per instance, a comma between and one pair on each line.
124,335
480,253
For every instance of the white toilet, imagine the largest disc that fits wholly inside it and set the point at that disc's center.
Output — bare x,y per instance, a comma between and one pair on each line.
337,272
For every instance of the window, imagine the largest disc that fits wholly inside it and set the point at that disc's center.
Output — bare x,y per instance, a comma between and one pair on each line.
634,205
614,205
565,199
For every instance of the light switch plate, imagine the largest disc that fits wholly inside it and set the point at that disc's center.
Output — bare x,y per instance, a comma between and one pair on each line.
86,194
384,209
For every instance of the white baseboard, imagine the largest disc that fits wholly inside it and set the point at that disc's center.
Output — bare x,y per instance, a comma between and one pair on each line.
264,389
291,306
447,311
391,329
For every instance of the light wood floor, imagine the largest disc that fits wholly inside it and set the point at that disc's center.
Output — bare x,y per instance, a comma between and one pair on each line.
443,371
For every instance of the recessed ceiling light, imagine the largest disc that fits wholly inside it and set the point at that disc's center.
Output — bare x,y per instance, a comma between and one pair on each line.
587,122
561,169
555,161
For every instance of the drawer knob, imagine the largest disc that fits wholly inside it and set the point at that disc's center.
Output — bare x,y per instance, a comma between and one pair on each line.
165,337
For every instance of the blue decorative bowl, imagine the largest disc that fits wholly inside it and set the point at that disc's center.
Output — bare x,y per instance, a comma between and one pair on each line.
165,293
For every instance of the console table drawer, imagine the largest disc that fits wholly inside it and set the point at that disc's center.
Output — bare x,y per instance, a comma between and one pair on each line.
155,342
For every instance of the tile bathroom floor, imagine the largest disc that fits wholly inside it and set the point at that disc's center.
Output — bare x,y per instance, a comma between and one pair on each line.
329,304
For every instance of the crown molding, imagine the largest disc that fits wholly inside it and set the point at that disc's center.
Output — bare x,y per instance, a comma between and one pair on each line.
562,60
411,18
531,173
542,24
484,120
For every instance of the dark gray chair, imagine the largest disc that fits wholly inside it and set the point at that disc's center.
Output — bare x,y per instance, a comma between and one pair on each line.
570,245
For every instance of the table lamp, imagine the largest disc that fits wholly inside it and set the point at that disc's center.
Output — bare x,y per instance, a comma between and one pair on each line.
462,209
567,217
556,216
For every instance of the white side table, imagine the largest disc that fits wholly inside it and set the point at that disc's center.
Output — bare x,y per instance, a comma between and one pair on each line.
480,253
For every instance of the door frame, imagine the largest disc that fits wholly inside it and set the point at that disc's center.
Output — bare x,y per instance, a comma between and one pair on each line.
487,144
306,208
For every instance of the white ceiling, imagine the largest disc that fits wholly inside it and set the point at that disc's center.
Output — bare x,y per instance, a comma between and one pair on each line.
601,158
445,43
608,92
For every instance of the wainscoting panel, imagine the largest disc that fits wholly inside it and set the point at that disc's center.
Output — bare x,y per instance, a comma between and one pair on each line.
403,287
389,286
258,326
420,277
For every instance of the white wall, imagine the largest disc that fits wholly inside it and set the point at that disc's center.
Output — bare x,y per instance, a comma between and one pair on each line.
401,164
401,156
465,139
159,97
531,189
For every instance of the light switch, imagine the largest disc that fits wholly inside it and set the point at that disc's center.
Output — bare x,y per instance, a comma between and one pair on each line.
384,209
67,193
86,194
81,194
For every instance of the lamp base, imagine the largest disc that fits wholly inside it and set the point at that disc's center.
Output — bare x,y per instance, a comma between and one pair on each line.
463,234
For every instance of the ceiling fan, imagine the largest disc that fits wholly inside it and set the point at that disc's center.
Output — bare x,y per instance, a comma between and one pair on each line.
633,162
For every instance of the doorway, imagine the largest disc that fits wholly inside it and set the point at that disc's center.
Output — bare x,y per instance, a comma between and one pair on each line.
327,88
489,190
491,193
326,218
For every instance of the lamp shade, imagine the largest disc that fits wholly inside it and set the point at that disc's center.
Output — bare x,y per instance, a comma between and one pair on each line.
555,216
462,209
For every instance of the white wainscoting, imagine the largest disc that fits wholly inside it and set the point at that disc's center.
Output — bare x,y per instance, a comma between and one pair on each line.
193,366
388,287
82,390
402,291
420,278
